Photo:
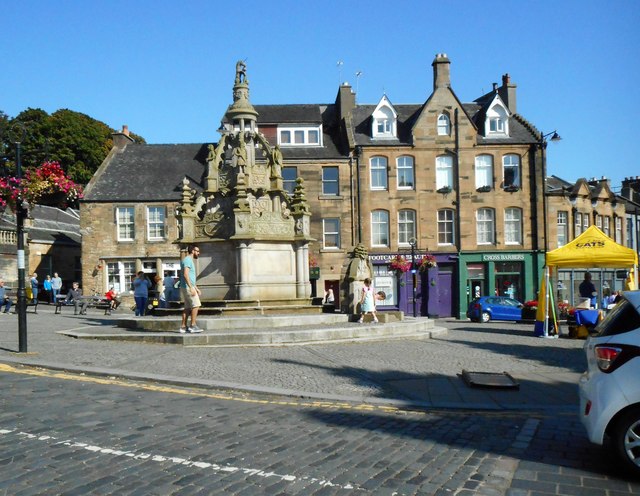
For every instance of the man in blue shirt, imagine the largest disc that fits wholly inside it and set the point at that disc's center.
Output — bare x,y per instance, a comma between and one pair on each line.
189,291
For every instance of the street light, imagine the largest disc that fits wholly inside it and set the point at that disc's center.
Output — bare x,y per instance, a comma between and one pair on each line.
21,304
413,242
555,137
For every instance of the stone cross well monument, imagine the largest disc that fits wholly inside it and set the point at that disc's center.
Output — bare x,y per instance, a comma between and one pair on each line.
252,235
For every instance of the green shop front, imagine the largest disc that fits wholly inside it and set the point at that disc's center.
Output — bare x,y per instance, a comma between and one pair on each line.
511,274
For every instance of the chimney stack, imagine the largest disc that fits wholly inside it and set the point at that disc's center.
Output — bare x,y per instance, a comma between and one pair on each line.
122,138
441,71
508,93
346,100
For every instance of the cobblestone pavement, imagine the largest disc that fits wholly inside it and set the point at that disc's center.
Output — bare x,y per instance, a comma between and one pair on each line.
73,435
423,372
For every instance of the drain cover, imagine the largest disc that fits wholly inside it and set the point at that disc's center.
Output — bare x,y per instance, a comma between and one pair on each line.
489,380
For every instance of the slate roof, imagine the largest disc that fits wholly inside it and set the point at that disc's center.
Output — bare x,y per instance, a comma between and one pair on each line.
48,225
147,173
520,130
308,114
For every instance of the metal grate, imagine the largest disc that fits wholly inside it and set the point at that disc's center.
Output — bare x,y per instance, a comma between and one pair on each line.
489,380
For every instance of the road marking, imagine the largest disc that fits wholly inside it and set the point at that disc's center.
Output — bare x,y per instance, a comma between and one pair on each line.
112,381
186,462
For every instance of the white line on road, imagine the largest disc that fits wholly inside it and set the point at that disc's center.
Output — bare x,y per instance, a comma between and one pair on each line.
219,468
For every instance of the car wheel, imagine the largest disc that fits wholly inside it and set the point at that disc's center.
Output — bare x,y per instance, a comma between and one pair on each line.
626,440
486,317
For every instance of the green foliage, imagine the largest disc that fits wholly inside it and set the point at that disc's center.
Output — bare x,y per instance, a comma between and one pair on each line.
75,140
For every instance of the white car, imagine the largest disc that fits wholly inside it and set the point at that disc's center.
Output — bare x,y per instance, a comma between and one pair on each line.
610,388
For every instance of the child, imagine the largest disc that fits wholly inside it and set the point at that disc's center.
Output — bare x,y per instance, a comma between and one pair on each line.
368,301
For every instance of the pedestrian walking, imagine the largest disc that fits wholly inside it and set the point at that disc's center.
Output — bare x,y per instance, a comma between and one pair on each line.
34,288
56,286
46,285
141,286
168,283
4,298
367,301
189,292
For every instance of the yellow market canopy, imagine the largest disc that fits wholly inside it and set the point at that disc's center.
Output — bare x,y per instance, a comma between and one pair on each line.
592,248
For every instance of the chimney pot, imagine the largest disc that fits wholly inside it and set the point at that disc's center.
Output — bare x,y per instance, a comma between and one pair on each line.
125,130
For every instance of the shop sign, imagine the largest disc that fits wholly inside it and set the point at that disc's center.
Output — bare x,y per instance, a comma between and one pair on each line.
314,272
502,257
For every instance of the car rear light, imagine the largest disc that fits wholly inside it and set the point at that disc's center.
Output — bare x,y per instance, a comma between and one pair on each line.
606,355
587,408
477,306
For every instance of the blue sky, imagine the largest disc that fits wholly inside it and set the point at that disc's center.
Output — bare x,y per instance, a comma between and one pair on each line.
166,68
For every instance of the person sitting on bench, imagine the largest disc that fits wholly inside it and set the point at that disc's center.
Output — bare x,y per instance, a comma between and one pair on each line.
112,297
74,295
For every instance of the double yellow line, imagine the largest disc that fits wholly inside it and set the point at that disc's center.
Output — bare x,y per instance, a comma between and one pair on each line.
113,381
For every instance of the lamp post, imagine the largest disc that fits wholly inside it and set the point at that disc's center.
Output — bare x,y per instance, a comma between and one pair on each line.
543,145
21,304
413,242
555,137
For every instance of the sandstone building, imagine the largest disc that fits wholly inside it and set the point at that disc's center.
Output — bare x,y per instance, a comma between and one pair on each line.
462,182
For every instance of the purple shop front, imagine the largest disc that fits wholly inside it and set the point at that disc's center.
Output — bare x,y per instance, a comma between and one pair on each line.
421,293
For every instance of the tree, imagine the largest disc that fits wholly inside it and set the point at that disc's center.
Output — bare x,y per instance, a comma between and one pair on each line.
75,140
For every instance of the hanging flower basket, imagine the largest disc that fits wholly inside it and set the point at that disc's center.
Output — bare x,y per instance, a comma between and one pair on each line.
427,262
399,264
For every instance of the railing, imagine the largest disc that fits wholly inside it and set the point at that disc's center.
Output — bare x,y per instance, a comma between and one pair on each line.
8,237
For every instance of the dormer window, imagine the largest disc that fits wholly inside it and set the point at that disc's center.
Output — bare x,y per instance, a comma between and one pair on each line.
444,125
299,136
384,120
497,121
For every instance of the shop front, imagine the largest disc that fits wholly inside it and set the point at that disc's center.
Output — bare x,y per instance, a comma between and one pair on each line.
429,292
513,275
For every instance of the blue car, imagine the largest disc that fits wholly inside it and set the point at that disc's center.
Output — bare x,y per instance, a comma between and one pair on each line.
488,308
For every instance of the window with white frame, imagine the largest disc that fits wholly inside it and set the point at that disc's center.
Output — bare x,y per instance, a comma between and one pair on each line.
497,122
156,223
511,171
444,125
330,185
289,176
300,136
577,226
331,233
585,222
606,226
120,275
380,228
618,228
484,171
406,226
405,172
378,167
513,226
383,120
485,226
563,228
446,226
444,172
125,223
599,222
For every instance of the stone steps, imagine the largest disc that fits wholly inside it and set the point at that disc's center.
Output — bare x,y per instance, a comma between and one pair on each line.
278,330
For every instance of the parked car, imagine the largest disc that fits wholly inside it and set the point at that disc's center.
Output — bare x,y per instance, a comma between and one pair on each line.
488,308
610,388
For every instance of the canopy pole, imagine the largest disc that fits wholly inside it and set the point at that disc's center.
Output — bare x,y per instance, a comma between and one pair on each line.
546,301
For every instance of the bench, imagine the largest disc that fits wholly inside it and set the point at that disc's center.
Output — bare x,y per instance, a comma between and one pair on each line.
13,296
86,302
